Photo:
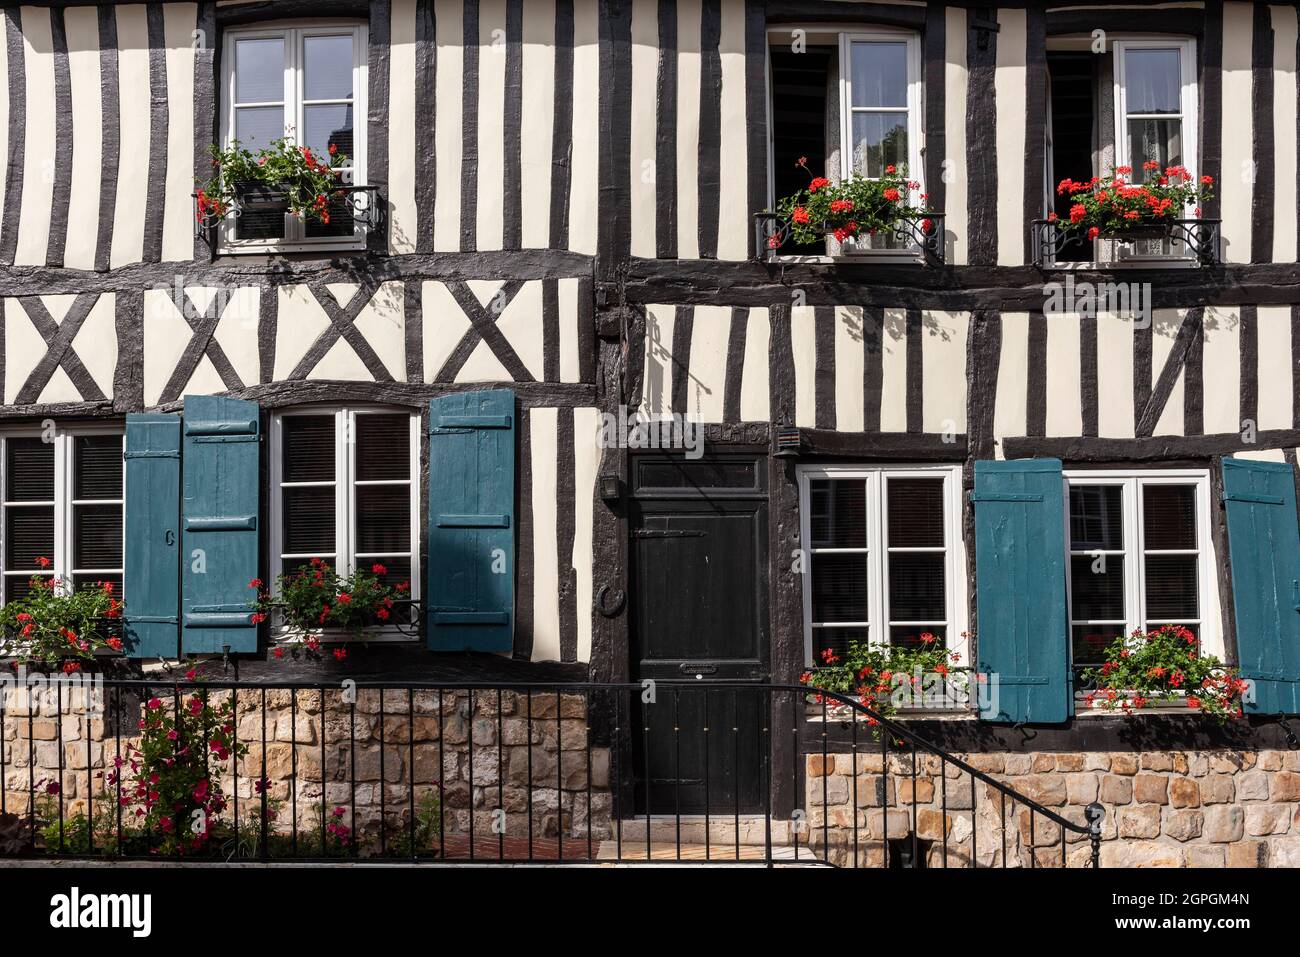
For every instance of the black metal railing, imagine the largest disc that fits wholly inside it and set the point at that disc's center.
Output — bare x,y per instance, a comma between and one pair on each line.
667,771
920,235
1185,239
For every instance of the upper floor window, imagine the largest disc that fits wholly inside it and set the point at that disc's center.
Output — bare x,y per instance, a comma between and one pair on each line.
884,558
345,488
1139,558
307,83
1130,106
62,504
850,103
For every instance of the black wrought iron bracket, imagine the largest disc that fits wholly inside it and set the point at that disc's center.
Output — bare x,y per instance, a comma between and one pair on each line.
365,202
1049,238
922,233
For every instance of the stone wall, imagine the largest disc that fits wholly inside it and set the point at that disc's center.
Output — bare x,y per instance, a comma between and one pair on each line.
516,763
1163,809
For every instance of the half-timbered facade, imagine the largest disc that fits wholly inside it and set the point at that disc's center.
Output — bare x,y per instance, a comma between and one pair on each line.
556,231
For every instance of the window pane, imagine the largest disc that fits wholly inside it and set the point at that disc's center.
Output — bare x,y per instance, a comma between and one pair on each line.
1169,516
915,512
879,74
838,513
308,453
256,127
342,220
839,587
1096,518
29,470
1091,641
681,473
916,587
29,535
309,521
383,519
1159,141
17,586
259,224
1097,594
97,466
1152,81
909,636
92,581
97,536
328,125
1171,587
837,640
396,570
383,447
879,140
259,70
327,68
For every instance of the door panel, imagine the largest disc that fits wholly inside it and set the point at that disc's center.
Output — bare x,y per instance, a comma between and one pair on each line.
699,611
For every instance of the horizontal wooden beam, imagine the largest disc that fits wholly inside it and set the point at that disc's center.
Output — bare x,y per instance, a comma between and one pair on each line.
881,445
1154,449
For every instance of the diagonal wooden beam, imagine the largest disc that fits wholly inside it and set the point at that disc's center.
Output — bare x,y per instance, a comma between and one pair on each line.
1188,332
203,327
483,328
342,326
58,349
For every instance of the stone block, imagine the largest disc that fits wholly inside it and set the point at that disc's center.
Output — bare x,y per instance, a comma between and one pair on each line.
1116,789
1217,789
1151,789
1140,821
1286,786
1123,763
1184,792
1184,825
1224,824
1081,788
1263,819
1248,854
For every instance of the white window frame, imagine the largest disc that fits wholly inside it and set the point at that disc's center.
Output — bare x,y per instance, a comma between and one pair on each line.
915,130
344,558
876,478
1186,48
64,524
293,34
915,123
1131,481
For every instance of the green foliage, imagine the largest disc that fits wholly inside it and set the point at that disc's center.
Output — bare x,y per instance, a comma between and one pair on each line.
428,826
1146,669
847,209
308,180
55,624
174,786
1115,204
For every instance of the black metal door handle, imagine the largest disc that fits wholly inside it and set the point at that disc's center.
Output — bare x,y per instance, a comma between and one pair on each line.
620,599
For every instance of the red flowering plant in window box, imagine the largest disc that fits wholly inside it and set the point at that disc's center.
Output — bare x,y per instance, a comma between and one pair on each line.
885,677
1163,668
282,177
315,603
58,626
1118,208
849,209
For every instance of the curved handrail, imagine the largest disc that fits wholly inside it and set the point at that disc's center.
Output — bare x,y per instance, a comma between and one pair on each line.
915,739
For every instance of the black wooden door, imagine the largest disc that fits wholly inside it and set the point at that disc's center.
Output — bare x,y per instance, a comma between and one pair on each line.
699,581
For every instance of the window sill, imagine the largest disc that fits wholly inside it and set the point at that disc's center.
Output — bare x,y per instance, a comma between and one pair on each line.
874,258
1125,264
279,249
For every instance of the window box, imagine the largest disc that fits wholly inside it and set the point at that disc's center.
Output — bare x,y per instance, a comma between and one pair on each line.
253,195
911,238
1175,241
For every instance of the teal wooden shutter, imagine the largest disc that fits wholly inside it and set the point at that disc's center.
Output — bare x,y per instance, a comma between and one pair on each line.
151,577
471,591
1023,626
1264,545
219,518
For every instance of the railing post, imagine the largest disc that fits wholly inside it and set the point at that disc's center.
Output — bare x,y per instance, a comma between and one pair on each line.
1094,812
